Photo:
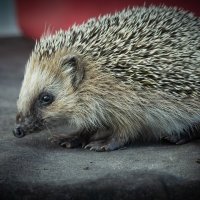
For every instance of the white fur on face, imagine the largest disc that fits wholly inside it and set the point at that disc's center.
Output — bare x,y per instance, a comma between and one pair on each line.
45,76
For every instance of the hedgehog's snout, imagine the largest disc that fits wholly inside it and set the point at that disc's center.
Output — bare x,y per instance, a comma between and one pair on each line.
26,124
18,132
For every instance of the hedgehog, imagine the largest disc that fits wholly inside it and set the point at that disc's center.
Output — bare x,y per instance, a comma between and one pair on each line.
116,78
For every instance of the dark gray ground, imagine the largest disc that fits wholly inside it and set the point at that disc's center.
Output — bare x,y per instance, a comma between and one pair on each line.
33,168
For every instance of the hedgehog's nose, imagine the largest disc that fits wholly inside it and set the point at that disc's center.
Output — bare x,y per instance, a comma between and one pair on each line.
18,132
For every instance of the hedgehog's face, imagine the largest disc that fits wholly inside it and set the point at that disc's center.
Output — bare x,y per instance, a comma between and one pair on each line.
48,93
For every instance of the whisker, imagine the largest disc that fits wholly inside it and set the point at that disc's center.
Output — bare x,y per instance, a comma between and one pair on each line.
49,131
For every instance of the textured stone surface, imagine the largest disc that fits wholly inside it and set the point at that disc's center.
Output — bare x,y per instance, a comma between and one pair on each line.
33,168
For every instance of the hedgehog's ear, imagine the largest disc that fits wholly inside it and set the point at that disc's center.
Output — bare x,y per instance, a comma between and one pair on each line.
73,65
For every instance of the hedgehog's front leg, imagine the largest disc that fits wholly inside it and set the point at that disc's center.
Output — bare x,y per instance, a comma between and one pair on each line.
96,140
105,140
74,140
70,141
108,144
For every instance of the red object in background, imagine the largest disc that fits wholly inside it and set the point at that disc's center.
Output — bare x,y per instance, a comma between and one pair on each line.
35,16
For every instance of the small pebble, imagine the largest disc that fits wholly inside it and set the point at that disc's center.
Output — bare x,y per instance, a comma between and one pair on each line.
198,161
86,168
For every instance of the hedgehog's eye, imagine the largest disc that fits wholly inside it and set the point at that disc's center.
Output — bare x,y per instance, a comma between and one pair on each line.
46,99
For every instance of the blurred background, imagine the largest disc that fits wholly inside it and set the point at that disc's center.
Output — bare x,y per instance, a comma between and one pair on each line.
31,18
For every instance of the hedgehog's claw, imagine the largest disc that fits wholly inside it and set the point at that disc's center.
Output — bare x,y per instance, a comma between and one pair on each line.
94,146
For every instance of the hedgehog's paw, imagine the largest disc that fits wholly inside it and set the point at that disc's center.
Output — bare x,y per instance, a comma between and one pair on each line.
104,145
177,139
66,141
94,145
